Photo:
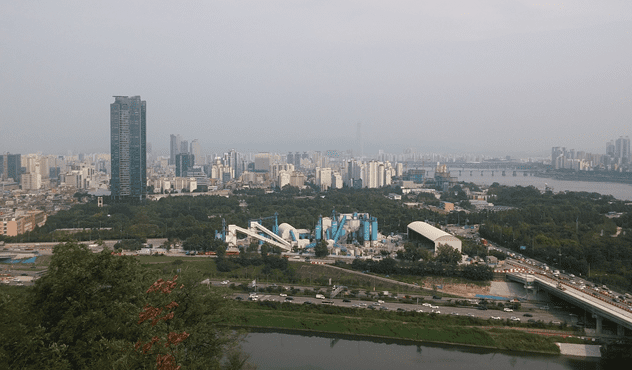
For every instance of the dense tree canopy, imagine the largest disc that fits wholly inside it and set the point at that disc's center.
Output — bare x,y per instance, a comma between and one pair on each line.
84,314
573,226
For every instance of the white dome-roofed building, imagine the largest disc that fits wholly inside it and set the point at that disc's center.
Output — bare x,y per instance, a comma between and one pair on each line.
429,236
293,235
286,230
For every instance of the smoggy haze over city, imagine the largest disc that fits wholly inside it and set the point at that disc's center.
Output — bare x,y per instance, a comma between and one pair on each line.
490,77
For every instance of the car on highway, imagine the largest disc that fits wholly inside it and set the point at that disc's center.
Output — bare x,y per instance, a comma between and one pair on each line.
527,315
495,317
507,309
420,311
514,318
289,298
283,295
346,300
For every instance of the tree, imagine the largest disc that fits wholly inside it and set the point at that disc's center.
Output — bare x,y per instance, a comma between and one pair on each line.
413,253
447,254
265,249
321,250
88,303
84,314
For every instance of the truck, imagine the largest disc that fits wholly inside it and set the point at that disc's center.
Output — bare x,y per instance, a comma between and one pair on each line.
320,296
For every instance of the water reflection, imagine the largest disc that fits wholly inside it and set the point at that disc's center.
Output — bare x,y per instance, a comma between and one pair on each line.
291,350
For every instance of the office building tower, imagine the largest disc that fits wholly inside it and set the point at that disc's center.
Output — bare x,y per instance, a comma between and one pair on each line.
128,148
262,162
610,148
622,149
297,160
197,153
184,146
184,162
174,148
11,167
236,163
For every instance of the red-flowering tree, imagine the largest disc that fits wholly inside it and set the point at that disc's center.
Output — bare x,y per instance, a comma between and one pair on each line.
181,327
163,347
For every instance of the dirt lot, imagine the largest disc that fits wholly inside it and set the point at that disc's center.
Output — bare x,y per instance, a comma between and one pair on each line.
448,287
321,273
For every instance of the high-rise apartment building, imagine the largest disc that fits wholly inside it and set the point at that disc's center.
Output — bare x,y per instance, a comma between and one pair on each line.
128,148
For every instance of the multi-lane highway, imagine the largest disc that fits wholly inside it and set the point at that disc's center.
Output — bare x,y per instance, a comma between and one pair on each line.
600,301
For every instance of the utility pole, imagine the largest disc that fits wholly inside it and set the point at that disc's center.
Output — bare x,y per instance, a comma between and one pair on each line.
560,255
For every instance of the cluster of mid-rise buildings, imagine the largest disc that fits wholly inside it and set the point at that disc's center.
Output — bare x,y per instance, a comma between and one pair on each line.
616,158
131,171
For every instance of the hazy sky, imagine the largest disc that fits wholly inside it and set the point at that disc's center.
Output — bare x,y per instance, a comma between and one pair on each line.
497,77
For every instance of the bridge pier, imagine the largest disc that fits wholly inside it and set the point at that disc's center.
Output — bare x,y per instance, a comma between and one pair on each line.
599,324
620,330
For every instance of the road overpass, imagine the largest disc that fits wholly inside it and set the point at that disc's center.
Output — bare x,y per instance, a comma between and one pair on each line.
600,306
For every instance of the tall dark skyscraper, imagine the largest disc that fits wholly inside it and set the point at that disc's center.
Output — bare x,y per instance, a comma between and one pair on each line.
11,167
184,162
174,147
128,148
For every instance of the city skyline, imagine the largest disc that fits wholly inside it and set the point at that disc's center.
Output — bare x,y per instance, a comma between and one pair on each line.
467,77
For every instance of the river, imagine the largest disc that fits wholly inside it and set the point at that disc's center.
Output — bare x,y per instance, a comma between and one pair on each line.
617,190
270,350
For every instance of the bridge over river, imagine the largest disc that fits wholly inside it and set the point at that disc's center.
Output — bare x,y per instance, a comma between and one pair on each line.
598,304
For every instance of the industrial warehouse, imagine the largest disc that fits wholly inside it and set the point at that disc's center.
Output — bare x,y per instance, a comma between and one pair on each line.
351,234
430,237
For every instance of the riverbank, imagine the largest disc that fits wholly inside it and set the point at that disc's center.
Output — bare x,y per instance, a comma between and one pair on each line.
591,176
412,326
270,350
